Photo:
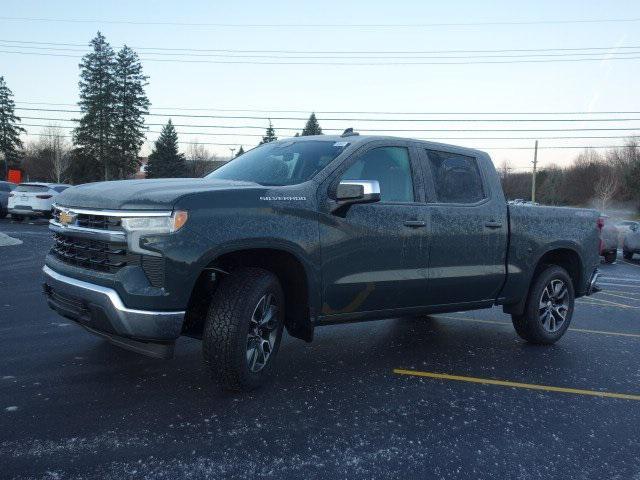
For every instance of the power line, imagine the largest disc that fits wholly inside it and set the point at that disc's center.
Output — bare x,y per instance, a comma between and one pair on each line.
342,55
348,64
314,52
187,143
214,134
280,128
324,25
487,148
348,119
598,112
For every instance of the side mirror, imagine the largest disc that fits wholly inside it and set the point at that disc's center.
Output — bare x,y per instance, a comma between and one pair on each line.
350,192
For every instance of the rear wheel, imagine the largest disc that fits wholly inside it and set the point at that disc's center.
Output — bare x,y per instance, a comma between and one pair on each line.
17,218
627,255
243,328
610,257
549,307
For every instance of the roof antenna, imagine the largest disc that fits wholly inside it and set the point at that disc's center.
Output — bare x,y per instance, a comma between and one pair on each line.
349,133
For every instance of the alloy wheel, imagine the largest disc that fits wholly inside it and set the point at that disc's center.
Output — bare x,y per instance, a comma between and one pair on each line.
263,331
554,306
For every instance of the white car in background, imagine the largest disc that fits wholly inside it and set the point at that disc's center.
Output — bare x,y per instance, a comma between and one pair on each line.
33,199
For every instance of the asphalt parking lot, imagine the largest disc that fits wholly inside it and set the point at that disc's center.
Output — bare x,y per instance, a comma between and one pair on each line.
349,405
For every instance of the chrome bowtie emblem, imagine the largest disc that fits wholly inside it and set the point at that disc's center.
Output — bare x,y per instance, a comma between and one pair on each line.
67,218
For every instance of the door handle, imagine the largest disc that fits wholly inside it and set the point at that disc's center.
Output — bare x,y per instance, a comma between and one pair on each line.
415,223
493,225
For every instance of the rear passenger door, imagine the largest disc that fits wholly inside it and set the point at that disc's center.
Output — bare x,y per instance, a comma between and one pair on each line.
468,234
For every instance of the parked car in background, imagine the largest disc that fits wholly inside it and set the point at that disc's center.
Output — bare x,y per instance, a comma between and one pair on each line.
5,189
626,226
631,242
33,199
609,240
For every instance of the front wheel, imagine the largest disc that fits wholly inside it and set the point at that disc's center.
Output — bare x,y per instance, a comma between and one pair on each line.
627,255
17,218
548,309
243,328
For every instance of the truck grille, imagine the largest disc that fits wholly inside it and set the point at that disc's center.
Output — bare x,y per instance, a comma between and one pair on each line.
98,222
92,254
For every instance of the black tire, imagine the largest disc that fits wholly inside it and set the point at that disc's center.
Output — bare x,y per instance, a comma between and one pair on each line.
627,255
610,257
225,339
530,325
17,218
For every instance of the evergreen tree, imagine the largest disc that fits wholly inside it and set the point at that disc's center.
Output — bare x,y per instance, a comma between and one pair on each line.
270,135
240,151
312,127
95,133
165,160
10,143
131,104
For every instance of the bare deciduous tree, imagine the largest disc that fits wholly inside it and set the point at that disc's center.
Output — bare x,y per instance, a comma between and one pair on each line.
58,148
605,189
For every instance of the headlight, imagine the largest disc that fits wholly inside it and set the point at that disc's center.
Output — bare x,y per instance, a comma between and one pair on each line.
151,225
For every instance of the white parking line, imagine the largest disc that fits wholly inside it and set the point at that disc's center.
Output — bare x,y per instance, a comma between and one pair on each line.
621,279
626,297
630,263
619,285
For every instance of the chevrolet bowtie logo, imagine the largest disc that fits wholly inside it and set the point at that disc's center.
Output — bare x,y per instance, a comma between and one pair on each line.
66,218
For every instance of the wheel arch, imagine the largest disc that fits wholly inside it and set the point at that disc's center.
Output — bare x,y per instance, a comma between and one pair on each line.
294,274
563,255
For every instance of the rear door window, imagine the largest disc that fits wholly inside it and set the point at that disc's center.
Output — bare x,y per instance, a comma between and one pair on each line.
456,177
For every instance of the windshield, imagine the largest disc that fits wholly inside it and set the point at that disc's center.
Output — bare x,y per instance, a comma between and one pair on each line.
281,163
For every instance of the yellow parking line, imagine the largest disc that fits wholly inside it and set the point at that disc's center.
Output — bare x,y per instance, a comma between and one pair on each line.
505,324
504,383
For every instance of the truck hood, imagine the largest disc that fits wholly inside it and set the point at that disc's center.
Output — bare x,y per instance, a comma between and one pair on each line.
156,194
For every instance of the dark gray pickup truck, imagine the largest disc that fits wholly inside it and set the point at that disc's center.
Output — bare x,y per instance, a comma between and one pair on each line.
306,232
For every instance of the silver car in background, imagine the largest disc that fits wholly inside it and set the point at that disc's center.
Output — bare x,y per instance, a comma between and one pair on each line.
631,242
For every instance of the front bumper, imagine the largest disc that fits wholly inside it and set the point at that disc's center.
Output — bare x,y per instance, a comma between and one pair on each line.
101,310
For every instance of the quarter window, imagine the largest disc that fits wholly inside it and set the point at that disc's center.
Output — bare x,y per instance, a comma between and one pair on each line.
456,177
391,167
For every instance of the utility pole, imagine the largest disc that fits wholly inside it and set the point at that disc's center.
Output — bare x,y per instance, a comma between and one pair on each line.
232,151
533,177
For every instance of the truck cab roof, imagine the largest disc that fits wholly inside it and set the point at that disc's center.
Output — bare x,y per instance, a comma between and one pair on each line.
357,140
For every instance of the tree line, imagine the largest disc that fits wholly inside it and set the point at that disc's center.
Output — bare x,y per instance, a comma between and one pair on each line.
594,179
110,133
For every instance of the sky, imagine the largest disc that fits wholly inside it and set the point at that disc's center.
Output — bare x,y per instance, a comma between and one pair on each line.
234,83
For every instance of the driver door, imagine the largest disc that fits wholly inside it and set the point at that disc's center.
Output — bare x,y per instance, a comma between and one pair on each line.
374,254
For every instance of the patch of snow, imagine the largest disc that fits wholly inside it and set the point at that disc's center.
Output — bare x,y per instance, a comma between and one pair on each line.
6,240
